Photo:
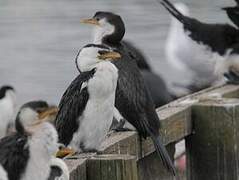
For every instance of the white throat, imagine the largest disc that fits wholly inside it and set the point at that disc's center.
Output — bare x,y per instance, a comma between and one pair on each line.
101,31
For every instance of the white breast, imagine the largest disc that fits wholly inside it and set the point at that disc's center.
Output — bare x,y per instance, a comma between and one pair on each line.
42,145
3,174
98,114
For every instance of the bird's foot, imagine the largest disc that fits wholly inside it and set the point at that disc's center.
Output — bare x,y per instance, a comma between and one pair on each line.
232,78
118,126
64,152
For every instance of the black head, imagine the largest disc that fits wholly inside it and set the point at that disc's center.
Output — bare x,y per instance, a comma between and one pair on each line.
36,105
109,24
4,89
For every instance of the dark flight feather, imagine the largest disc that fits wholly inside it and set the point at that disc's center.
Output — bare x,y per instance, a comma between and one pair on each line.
71,106
14,155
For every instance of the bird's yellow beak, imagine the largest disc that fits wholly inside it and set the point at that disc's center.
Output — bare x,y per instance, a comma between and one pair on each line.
110,56
90,21
51,111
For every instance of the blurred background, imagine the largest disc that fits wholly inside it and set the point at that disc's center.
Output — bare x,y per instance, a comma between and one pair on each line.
39,39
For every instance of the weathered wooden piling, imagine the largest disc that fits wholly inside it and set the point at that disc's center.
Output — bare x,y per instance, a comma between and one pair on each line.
210,124
112,167
212,151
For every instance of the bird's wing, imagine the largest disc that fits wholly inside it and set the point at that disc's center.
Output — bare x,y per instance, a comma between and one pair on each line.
71,106
217,37
14,154
138,55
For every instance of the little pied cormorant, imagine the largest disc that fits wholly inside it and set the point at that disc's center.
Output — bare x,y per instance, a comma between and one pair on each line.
87,106
133,100
221,40
38,112
7,108
26,154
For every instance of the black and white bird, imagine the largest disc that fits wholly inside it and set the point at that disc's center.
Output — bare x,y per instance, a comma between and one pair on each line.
3,173
7,108
221,40
189,60
233,13
27,153
133,101
87,106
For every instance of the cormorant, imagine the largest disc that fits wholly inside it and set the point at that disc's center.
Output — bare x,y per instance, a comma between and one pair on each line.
221,40
133,100
87,106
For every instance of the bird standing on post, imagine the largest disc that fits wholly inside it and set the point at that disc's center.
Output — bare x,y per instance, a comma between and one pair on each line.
221,40
87,106
133,100
7,108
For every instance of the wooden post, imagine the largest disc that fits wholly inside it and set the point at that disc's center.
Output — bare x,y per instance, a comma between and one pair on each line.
213,148
112,167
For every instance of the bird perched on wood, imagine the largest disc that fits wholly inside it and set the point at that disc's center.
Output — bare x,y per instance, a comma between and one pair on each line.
37,111
233,13
7,108
133,101
26,154
221,40
188,59
3,174
87,106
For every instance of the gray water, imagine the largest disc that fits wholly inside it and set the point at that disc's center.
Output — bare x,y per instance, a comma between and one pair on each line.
39,39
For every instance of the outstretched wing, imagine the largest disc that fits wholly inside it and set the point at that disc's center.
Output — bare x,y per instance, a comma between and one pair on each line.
71,106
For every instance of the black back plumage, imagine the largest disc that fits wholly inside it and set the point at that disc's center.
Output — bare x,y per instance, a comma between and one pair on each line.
14,154
71,106
218,37
133,99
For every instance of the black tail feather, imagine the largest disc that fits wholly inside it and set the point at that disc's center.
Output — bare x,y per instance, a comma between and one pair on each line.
161,150
170,7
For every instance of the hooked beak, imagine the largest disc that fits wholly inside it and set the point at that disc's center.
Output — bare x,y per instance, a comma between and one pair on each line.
90,21
110,56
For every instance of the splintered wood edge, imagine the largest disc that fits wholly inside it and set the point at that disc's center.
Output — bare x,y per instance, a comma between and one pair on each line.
176,124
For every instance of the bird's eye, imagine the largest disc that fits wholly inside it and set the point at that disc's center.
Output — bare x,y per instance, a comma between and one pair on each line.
102,52
97,19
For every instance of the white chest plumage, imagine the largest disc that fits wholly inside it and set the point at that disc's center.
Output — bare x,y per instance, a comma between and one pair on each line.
42,146
97,117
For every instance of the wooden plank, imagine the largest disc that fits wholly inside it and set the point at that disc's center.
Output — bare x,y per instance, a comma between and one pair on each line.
175,125
112,167
77,168
212,151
